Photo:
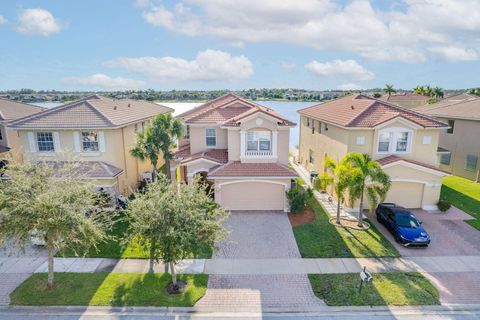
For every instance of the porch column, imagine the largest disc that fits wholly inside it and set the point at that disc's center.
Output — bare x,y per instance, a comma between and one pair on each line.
242,144
274,143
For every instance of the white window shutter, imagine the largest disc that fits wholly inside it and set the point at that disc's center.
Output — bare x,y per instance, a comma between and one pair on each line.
56,141
31,142
76,141
101,141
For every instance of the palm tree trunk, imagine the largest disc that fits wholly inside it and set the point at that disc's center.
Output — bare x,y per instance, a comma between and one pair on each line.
50,264
360,209
174,274
338,211
154,171
167,169
152,257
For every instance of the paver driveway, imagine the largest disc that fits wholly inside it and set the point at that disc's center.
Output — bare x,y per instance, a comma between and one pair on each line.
259,235
451,236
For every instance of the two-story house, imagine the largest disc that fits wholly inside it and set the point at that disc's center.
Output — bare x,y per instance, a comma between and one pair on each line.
96,131
460,143
241,148
11,111
403,141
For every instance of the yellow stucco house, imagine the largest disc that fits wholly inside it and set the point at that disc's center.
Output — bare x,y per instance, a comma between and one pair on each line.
11,111
241,148
96,131
403,141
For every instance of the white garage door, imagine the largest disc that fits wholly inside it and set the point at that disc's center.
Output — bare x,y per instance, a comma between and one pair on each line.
406,194
252,196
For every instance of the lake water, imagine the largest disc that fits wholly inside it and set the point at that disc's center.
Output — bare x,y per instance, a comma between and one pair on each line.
286,108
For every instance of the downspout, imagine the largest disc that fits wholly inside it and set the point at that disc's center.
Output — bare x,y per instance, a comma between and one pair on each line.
124,156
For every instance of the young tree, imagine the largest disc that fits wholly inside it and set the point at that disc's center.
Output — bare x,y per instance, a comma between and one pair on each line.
158,138
54,203
338,174
389,89
365,175
173,220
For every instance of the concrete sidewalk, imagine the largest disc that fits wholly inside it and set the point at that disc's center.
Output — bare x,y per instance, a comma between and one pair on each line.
441,264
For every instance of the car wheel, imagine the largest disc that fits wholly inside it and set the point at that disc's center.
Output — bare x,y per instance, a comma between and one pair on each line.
379,218
398,239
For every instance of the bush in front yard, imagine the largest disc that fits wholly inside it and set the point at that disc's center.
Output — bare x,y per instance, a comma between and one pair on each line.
443,205
297,199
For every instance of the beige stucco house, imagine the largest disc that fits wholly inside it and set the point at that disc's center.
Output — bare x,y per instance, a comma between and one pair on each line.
461,142
96,131
11,111
403,141
241,148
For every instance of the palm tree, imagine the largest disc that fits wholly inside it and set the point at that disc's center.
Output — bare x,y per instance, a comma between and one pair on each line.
366,175
158,138
389,89
338,174
437,92
419,90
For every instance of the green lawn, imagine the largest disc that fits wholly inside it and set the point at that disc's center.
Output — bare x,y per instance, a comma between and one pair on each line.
463,194
320,239
385,289
108,289
113,248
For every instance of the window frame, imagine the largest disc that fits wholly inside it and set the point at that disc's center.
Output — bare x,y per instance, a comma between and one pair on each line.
97,141
449,159
393,140
207,136
360,140
467,160
45,142
258,140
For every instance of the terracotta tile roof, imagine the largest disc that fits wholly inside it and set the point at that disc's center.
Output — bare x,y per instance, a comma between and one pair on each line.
183,151
238,169
12,110
217,155
364,111
92,112
393,158
228,110
404,97
90,169
463,106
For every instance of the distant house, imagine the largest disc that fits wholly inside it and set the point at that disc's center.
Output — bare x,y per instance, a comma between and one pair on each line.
406,100
11,111
460,144
239,147
97,131
403,141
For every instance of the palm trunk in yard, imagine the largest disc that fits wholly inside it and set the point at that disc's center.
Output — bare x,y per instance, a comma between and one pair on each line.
167,169
360,210
338,210
50,264
174,274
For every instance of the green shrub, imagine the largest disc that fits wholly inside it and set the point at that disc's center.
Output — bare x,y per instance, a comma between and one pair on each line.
297,199
443,205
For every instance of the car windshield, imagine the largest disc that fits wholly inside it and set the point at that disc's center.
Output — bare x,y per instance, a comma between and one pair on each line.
407,221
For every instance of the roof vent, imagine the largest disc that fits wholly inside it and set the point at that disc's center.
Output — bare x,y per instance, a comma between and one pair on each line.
114,107
352,107
129,105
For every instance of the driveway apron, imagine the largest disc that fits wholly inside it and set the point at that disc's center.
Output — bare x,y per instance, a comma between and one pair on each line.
259,235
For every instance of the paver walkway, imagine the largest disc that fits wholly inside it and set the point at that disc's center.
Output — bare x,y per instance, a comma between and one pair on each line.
257,235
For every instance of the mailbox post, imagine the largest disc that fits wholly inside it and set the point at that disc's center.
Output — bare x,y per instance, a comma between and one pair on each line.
365,276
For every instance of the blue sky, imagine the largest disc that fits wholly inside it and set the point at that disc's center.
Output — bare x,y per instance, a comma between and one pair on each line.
217,44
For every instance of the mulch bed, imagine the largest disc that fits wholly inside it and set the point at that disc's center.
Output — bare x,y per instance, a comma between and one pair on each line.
348,223
301,218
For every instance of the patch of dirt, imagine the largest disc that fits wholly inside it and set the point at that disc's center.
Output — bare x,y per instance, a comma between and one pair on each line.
348,223
180,287
301,218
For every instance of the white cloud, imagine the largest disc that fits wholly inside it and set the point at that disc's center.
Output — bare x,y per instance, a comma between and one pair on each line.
104,81
208,65
37,22
402,33
455,53
3,20
349,69
350,86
